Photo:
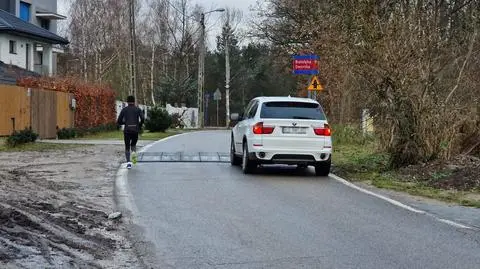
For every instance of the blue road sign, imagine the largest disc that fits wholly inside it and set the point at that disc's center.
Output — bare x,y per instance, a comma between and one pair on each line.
306,57
306,72
305,64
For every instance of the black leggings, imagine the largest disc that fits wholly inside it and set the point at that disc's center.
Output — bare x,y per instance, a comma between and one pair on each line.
130,140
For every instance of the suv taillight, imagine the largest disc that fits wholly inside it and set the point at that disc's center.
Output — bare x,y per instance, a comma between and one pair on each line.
259,128
324,131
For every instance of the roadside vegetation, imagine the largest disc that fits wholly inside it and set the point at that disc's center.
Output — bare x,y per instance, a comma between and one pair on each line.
414,65
360,158
24,142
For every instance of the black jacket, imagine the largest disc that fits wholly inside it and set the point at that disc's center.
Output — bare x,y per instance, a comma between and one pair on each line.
132,117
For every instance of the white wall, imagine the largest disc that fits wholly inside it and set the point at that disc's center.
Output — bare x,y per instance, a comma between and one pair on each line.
19,59
120,105
190,118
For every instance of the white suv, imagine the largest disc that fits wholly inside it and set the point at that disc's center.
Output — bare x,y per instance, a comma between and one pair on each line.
282,130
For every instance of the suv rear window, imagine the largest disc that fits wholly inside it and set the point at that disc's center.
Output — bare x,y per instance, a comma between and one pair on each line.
292,110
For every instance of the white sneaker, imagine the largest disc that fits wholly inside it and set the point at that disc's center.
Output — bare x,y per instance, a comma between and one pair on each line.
129,165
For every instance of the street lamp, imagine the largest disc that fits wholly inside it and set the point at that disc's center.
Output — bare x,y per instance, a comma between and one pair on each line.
201,67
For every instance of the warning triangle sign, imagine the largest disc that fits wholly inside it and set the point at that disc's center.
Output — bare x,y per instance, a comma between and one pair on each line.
315,84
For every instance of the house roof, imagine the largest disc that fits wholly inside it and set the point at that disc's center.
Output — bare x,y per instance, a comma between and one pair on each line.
16,26
10,73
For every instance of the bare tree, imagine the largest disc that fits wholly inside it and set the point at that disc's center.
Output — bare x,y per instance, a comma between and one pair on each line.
406,60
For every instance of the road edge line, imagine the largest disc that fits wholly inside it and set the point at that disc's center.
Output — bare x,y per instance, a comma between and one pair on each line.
125,203
389,200
397,203
123,198
453,223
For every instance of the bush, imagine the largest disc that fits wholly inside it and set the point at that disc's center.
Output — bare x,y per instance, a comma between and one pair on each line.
66,133
81,132
69,133
23,137
159,120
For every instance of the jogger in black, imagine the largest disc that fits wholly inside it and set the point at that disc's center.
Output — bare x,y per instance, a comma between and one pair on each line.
132,117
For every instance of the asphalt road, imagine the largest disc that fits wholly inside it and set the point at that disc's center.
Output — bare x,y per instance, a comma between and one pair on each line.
210,215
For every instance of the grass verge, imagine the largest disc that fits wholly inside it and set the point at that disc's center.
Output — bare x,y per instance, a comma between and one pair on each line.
118,135
359,160
36,147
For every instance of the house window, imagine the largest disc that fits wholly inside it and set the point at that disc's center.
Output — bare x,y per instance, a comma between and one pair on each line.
24,11
45,24
13,47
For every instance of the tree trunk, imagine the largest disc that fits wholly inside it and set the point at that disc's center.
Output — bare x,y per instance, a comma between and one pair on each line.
152,70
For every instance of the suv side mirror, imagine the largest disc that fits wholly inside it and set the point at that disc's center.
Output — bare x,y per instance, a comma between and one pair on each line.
235,117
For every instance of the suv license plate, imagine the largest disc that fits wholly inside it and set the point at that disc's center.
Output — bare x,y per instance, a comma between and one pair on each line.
294,130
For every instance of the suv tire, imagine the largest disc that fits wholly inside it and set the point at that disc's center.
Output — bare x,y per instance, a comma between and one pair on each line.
322,169
234,159
248,165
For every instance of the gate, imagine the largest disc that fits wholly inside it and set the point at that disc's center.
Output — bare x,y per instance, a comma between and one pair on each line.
44,113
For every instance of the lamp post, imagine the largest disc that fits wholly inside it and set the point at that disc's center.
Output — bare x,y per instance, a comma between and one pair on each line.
201,67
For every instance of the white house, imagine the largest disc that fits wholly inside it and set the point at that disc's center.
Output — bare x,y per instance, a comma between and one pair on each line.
28,36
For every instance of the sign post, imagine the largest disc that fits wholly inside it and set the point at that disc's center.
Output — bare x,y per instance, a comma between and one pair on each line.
205,118
217,96
314,87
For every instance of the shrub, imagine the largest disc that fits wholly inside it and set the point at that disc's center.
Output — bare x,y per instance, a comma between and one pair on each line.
21,137
66,133
81,132
159,120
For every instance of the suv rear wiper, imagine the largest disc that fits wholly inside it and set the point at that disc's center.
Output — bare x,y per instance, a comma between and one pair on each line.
301,118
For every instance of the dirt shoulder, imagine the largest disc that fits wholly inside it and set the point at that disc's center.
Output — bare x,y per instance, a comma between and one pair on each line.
54,208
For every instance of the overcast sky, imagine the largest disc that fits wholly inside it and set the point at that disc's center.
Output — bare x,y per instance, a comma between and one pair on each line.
212,22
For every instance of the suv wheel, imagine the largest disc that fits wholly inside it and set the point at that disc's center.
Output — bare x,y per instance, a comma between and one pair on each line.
247,165
234,159
322,169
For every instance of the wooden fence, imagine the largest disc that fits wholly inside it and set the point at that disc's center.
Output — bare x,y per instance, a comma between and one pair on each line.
44,111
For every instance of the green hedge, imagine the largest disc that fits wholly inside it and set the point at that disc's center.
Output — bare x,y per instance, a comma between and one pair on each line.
70,133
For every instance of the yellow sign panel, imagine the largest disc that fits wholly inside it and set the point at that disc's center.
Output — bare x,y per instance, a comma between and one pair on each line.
315,85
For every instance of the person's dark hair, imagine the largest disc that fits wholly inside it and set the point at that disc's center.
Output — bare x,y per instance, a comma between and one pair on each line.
130,99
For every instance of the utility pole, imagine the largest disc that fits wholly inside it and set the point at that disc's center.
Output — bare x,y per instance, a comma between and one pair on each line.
201,66
133,74
227,76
